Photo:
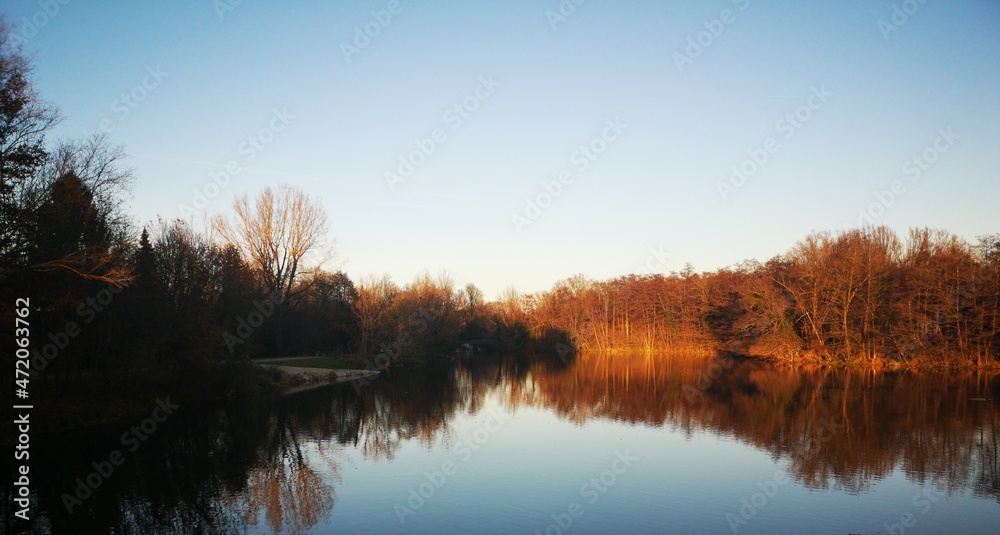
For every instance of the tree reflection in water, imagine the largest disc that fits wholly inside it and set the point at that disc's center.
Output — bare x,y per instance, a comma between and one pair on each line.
285,487
277,461
932,426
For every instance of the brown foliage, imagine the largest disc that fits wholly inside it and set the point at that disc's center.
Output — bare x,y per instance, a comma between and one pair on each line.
857,296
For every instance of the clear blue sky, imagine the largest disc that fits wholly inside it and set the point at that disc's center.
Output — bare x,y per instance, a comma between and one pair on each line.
887,92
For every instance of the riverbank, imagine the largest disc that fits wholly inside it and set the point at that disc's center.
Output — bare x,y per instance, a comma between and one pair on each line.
289,379
811,359
882,364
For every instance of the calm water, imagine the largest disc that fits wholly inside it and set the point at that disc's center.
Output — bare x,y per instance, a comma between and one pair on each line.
599,445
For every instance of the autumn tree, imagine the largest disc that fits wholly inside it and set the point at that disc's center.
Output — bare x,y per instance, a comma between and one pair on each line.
24,120
856,295
475,317
373,299
426,317
509,317
810,287
275,232
989,302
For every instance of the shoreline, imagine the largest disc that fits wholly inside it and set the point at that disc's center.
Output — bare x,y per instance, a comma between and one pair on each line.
880,364
279,380
293,379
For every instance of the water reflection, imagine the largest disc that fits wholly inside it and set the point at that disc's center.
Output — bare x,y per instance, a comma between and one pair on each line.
932,426
275,465
309,430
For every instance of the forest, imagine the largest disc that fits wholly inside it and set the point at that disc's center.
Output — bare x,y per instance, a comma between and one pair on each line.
118,307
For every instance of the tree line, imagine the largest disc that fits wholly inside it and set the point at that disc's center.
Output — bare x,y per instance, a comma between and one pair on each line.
111,297
860,295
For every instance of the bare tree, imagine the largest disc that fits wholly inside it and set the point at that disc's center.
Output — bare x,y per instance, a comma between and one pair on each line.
472,298
100,165
274,233
105,182
510,307
372,303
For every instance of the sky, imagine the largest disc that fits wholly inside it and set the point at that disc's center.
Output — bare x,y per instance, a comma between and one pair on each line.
522,142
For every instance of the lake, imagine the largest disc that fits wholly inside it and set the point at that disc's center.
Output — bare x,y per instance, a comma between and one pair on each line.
596,444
